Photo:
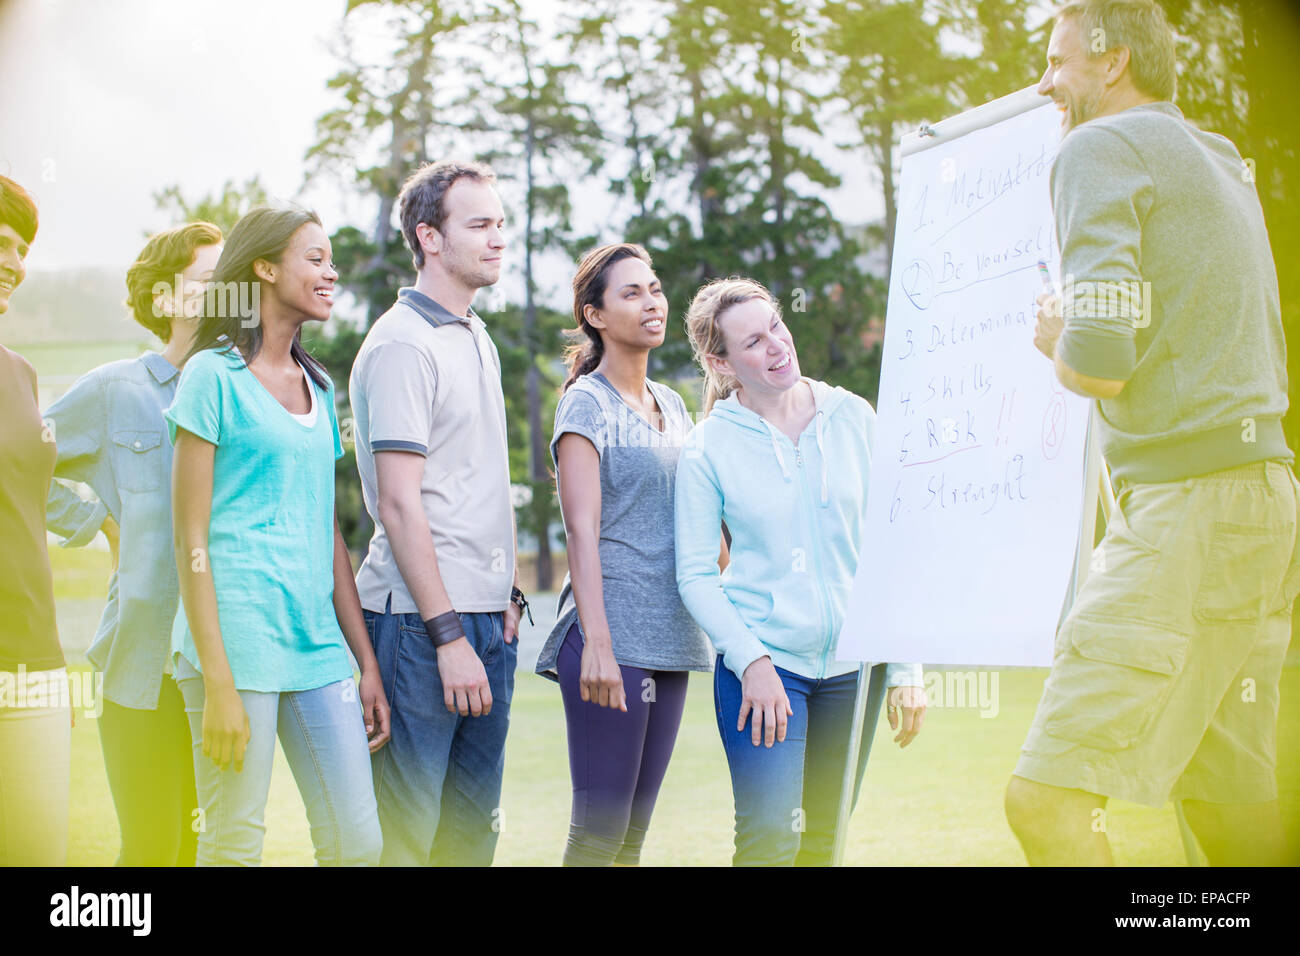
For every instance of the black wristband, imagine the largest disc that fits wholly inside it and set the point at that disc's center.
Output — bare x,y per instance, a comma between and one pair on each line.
444,628
518,600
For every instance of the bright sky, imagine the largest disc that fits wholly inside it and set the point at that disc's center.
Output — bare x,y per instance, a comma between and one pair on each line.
107,101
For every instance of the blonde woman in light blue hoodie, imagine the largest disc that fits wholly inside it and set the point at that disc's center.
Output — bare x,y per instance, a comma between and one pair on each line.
784,461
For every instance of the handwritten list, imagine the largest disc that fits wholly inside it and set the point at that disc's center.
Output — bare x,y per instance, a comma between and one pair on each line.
977,469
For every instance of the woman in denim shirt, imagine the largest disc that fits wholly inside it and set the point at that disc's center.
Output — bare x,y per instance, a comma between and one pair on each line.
111,436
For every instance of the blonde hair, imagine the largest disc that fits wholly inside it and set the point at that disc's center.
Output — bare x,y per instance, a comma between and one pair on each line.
710,302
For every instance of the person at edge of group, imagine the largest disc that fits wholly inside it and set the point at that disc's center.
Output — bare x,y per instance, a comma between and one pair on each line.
784,461
623,644
35,719
111,436
439,582
1190,594
269,606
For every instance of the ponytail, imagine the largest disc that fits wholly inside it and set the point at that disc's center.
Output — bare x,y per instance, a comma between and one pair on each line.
583,353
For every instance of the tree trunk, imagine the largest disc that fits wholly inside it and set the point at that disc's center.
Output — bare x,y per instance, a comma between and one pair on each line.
777,149
701,158
537,457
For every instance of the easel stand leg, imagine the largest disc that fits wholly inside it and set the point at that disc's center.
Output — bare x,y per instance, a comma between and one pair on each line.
866,712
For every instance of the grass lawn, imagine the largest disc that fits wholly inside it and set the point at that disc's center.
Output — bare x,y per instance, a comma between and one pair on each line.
937,803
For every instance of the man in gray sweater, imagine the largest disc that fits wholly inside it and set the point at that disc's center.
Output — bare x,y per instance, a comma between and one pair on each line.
1164,682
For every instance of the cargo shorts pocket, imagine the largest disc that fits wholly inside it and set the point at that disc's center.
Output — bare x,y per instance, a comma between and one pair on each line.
1112,682
1291,584
1245,574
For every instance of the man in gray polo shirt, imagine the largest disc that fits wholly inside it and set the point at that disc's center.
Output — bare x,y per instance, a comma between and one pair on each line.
1165,677
439,585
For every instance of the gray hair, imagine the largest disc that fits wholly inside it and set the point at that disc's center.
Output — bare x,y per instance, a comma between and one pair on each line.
1139,25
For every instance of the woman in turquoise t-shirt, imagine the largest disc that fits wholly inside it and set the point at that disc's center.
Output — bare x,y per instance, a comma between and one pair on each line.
266,584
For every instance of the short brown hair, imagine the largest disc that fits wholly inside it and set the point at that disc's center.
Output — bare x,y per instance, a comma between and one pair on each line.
18,209
423,195
1139,25
165,256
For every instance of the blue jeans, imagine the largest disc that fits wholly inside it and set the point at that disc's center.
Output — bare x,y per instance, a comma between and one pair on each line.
787,797
438,781
324,738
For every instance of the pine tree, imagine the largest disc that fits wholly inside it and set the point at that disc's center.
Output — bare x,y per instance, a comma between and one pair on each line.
547,142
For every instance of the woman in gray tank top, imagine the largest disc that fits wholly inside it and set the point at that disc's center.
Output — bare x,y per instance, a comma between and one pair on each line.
623,644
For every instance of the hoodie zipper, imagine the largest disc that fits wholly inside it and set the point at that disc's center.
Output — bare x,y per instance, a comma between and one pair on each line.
810,512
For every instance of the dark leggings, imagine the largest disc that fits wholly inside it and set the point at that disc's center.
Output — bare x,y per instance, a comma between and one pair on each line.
150,763
617,760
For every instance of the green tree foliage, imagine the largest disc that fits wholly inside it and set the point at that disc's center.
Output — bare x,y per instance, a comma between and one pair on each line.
748,84
709,123
529,128
1010,54
222,210
893,75
393,114
647,157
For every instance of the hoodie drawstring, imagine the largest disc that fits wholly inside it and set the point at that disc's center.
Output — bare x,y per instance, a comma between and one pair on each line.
821,452
776,449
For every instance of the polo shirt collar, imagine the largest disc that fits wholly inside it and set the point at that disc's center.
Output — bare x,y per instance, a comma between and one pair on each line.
431,311
161,369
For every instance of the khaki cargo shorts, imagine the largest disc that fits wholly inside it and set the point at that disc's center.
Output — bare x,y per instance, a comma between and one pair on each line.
1164,681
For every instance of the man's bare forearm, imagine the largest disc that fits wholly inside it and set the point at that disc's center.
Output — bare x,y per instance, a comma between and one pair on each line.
1084,385
417,558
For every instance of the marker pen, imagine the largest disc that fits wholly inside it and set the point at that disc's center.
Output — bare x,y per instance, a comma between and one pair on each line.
1046,275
